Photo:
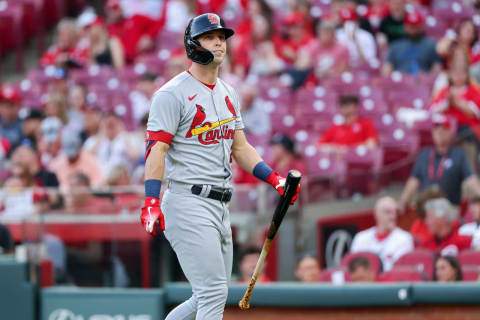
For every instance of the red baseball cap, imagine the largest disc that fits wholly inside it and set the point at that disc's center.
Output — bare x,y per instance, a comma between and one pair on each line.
414,18
10,94
294,18
348,14
112,4
442,120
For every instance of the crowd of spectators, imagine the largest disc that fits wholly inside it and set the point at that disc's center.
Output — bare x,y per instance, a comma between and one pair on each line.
76,123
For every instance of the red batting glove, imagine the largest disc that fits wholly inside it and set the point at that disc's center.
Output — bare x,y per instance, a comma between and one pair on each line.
152,216
278,182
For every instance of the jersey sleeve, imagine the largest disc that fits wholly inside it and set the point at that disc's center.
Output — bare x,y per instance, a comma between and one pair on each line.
165,113
238,121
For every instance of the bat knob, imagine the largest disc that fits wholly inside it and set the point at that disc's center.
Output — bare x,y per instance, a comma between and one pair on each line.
243,304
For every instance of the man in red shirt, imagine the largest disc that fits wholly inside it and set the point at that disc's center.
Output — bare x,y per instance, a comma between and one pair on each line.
440,220
137,33
296,36
352,130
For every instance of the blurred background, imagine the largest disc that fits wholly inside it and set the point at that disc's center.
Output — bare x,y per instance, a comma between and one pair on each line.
376,102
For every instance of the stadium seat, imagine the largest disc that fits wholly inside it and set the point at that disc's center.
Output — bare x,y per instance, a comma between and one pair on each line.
401,274
470,273
375,261
363,168
334,276
469,258
421,260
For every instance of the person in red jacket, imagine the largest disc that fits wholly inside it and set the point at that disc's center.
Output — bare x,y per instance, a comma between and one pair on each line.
353,130
137,32
440,220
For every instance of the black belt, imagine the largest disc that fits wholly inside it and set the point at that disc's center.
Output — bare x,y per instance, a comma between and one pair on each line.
223,196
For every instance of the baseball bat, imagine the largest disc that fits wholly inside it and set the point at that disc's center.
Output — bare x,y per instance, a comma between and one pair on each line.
291,184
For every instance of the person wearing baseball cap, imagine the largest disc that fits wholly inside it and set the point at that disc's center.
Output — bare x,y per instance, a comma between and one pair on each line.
296,36
10,123
415,53
442,165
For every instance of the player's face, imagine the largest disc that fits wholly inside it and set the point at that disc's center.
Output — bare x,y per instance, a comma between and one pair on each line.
215,42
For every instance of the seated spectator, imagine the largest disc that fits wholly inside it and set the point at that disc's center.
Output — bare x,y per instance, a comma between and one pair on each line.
360,43
73,159
284,155
254,52
10,123
112,145
440,220
77,102
443,165
392,28
137,33
49,143
377,11
141,95
447,269
360,270
415,53
247,266
254,115
466,36
92,120
460,100
31,121
81,200
419,229
66,52
7,245
56,106
308,270
385,239
352,131
296,36
104,50
254,8
42,178
471,229
324,55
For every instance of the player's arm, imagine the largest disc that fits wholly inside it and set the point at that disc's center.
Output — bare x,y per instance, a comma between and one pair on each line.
249,160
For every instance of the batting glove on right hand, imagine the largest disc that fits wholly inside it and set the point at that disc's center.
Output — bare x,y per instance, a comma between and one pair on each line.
152,216
278,182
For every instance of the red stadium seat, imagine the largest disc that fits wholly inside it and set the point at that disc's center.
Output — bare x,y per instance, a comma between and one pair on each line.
469,258
375,261
421,260
401,274
470,273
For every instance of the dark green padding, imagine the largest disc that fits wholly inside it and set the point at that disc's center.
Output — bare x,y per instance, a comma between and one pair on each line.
448,293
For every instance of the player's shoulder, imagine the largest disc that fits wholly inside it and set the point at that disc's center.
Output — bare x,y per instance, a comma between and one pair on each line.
173,89
226,86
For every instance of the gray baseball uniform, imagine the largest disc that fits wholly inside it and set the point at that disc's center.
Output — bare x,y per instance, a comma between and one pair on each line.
202,122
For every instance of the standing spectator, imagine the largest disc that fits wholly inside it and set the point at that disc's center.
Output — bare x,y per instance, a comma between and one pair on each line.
10,123
447,269
254,115
7,245
461,101
294,38
66,52
72,159
112,145
284,155
361,270
385,239
140,97
392,28
360,43
466,36
440,219
352,131
308,270
325,55
137,32
415,53
443,165
104,50
247,266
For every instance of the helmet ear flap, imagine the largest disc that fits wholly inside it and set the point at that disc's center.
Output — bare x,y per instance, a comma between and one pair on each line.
194,50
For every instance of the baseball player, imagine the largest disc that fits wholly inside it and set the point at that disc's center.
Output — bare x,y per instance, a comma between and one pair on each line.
194,130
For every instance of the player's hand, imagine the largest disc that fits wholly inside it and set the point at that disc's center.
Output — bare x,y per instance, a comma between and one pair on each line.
278,182
152,216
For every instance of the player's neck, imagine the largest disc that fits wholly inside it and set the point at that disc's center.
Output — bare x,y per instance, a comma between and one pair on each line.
207,74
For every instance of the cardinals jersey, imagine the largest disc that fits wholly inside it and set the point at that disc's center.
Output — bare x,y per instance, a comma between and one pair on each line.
388,247
199,123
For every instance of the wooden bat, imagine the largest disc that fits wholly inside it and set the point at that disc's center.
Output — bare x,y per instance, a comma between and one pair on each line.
291,184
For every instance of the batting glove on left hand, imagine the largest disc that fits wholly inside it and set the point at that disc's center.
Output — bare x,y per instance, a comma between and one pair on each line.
278,182
152,216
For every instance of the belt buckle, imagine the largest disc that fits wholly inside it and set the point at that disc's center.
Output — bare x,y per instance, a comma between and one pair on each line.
224,192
